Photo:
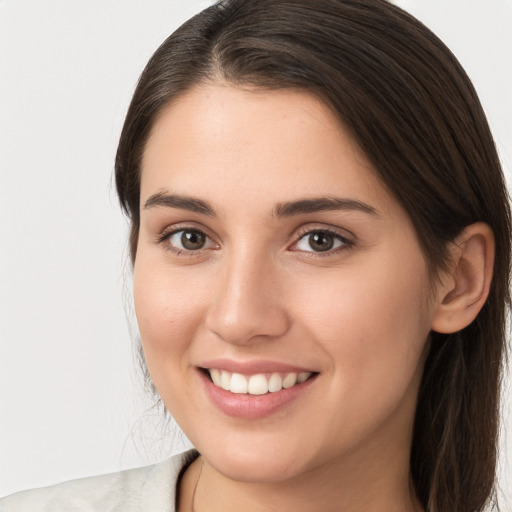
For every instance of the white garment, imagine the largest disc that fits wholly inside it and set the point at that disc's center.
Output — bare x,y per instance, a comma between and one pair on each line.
147,489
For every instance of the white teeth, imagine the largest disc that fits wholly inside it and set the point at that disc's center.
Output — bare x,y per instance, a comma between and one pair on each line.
258,384
238,383
290,380
275,383
225,380
216,377
303,377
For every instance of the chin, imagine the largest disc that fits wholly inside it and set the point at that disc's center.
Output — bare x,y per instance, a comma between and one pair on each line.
253,469
256,460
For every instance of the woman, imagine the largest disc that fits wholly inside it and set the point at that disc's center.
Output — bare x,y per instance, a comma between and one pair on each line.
320,242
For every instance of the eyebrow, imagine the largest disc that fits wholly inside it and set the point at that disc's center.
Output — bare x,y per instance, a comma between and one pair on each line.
191,204
320,204
284,209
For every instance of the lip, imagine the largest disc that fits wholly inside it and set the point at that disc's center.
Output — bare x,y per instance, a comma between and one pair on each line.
252,407
252,367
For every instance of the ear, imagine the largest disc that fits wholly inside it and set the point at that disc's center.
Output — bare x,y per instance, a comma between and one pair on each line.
465,287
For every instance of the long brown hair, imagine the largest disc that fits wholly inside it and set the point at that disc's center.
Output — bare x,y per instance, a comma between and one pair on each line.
413,111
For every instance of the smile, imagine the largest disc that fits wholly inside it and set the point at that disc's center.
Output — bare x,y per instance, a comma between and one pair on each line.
253,396
257,384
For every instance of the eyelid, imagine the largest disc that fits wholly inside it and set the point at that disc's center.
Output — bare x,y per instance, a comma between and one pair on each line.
173,229
344,236
348,239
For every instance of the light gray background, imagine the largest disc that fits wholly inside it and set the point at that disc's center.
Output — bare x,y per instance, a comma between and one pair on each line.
71,403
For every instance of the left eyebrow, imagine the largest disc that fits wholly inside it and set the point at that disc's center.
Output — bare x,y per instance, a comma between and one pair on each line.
319,204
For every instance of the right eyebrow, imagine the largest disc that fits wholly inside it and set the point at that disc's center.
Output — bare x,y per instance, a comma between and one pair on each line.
191,204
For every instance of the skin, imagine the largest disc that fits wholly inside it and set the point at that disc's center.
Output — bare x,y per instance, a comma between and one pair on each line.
359,315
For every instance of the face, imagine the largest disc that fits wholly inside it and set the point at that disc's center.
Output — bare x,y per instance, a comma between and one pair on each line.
271,256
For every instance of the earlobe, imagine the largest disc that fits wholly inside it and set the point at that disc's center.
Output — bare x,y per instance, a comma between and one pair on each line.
467,284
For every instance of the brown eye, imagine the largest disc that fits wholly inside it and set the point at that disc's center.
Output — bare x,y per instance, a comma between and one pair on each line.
192,240
321,241
188,240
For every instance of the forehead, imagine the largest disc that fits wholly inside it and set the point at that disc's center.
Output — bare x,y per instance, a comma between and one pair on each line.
222,141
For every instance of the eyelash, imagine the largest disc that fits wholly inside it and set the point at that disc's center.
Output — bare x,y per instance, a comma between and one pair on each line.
346,243
166,236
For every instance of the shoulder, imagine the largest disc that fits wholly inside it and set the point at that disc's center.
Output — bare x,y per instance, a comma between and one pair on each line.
134,490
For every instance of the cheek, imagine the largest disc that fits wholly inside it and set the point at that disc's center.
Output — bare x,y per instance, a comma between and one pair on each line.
372,326
168,306
372,323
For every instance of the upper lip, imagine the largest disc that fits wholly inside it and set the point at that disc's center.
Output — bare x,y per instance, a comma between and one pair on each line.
252,367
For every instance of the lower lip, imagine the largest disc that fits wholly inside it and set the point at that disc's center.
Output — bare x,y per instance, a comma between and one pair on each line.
253,407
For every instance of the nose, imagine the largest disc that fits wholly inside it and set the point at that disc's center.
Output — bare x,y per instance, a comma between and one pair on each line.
247,302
